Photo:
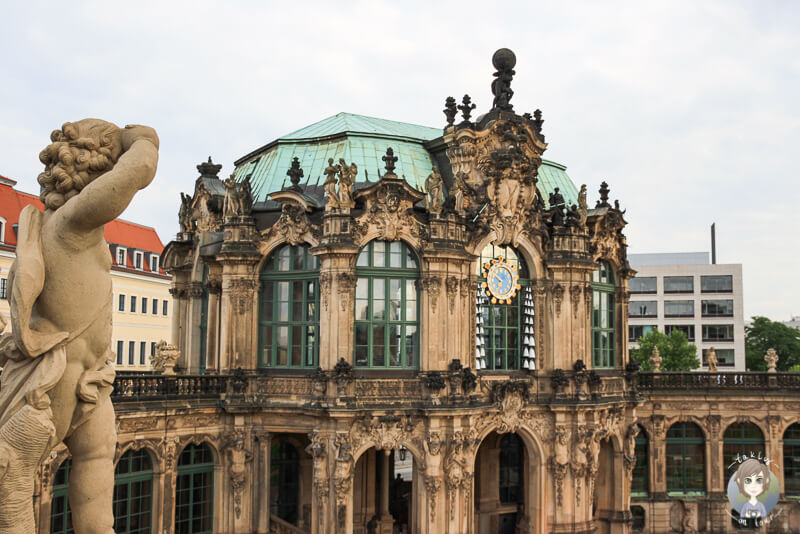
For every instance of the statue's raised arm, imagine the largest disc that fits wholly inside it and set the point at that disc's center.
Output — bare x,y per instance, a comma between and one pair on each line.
98,165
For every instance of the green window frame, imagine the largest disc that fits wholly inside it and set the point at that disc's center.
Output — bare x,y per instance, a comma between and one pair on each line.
640,483
604,346
686,460
387,307
133,493
60,513
741,439
504,333
194,491
289,309
791,460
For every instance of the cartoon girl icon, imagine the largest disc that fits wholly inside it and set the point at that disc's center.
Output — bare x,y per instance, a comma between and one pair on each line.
753,479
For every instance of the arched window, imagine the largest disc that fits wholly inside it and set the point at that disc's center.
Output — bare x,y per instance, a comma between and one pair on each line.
194,491
387,306
511,474
603,323
791,460
284,481
288,314
741,439
133,493
60,514
504,331
640,483
686,459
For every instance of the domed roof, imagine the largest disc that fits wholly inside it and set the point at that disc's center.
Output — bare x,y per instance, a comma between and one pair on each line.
362,140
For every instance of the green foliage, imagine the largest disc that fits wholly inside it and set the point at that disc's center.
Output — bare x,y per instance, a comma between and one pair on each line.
676,352
764,334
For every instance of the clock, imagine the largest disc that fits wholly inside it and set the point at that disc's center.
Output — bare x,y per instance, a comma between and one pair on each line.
501,280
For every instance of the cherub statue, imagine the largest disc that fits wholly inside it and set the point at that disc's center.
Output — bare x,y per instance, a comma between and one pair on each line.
433,186
57,368
329,186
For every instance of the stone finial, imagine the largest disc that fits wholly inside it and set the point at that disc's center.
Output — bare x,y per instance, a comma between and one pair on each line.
209,169
466,107
538,121
604,191
165,358
711,360
655,360
771,357
295,173
450,110
390,159
504,61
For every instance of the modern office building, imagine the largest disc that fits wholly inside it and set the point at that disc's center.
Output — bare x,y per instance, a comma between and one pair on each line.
685,291
794,322
142,302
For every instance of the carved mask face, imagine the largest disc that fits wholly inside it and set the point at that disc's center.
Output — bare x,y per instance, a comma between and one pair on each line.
392,201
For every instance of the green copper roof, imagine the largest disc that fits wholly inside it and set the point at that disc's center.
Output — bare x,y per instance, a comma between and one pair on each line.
363,141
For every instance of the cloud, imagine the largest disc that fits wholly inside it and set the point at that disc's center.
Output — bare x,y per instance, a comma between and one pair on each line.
687,109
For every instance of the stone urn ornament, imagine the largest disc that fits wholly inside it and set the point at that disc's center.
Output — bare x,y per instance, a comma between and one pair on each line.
57,363
771,357
655,360
165,358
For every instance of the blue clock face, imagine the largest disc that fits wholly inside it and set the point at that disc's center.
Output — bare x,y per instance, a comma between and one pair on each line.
501,281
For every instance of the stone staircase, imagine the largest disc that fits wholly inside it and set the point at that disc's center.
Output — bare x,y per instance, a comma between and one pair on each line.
279,526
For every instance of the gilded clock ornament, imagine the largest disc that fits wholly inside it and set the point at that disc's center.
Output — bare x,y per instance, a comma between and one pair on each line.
502,280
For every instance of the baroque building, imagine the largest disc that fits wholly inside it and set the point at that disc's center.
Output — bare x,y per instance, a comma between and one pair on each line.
389,328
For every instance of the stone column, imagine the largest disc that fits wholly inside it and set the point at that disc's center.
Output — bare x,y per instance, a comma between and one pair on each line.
262,482
337,295
386,518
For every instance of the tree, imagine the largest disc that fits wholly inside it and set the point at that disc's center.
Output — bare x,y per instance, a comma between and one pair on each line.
676,352
765,334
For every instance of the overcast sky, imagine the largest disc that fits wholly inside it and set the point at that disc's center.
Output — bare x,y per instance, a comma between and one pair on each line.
690,110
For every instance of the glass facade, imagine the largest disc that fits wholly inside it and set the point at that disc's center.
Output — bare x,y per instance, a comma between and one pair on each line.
603,318
194,491
687,329
678,284
504,333
288,309
724,357
717,332
635,331
387,306
643,284
643,308
678,308
716,283
686,459
717,308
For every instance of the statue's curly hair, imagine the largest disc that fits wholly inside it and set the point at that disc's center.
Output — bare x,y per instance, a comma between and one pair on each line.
78,154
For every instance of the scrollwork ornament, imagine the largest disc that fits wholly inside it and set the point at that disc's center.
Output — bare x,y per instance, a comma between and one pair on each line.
432,484
558,297
451,284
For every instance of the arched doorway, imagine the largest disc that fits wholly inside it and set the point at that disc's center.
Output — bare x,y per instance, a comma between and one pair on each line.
503,485
384,489
290,481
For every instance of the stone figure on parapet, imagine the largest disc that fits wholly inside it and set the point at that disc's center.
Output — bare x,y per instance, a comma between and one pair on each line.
238,197
347,176
331,196
433,187
57,360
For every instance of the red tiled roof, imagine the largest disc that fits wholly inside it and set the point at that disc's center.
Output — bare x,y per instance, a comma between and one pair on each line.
117,232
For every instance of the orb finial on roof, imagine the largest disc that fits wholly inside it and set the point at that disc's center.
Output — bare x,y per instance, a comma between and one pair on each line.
390,159
209,169
504,61
295,173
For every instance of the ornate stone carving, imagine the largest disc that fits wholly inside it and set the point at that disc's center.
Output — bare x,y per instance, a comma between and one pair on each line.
329,187
432,484
774,422
389,206
712,424
771,357
659,426
466,286
434,199
558,297
346,283
325,279
452,290
137,424
559,471
347,176
575,296
238,197
293,224
165,358
241,292
432,285
238,458
655,360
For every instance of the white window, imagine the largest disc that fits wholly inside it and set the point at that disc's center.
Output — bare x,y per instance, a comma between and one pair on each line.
120,348
122,254
164,307
144,304
3,288
142,352
121,305
154,263
2,230
155,306
138,258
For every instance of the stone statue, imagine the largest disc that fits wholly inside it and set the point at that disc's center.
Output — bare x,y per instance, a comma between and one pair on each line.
245,197
655,360
329,186
231,208
238,457
347,176
165,358
771,357
711,360
185,213
583,207
433,186
57,360
459,193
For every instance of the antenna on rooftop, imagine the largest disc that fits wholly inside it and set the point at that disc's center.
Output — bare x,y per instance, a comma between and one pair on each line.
713,244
